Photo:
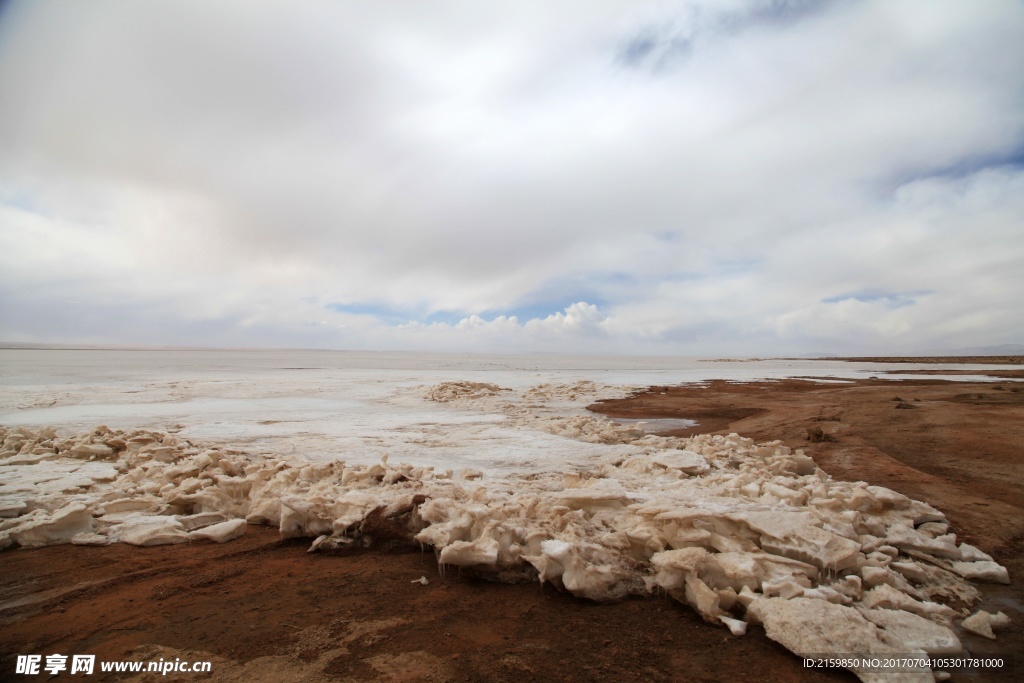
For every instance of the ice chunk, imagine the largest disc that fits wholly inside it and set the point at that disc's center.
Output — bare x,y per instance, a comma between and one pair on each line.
998,621
736,626
563,562
483,551
687,462
131,504
198,521
982,623
59,527
89,538
934,529
149,530
876,576
458,391
823,549
589,498
12,508
327,544
777,523
912,632
908,538
968,553
97,450
818,627
673,566
911,570
300,517
731,570
701,598
885,596
979,624
222,532
981,571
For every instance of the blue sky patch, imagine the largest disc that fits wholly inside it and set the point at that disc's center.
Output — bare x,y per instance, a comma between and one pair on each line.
889,299
21,200
1012,159
383,313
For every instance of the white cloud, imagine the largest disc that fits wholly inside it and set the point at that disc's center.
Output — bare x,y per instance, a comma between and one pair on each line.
707,175
580,327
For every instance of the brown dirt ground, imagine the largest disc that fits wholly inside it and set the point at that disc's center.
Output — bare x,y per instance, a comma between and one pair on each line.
268,611
262,609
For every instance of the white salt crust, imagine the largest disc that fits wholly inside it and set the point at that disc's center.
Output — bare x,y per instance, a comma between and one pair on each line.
741,532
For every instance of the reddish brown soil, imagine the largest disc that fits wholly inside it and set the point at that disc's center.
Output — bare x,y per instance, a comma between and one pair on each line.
262,609
265,610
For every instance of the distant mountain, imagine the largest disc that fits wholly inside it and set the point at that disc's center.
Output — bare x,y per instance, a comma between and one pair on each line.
1000,350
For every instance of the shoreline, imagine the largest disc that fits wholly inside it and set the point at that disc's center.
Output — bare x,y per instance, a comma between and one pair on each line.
360,616
944,360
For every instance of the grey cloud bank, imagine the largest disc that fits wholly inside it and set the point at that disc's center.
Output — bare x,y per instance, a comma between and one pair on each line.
672,177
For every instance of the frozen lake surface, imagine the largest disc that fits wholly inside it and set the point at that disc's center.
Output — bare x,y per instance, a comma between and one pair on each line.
354,406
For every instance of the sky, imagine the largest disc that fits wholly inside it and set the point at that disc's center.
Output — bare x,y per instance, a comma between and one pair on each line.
692,177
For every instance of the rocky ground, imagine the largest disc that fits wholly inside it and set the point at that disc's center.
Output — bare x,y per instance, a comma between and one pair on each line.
262,609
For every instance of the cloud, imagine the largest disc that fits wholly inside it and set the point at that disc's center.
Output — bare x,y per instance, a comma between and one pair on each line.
657,177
